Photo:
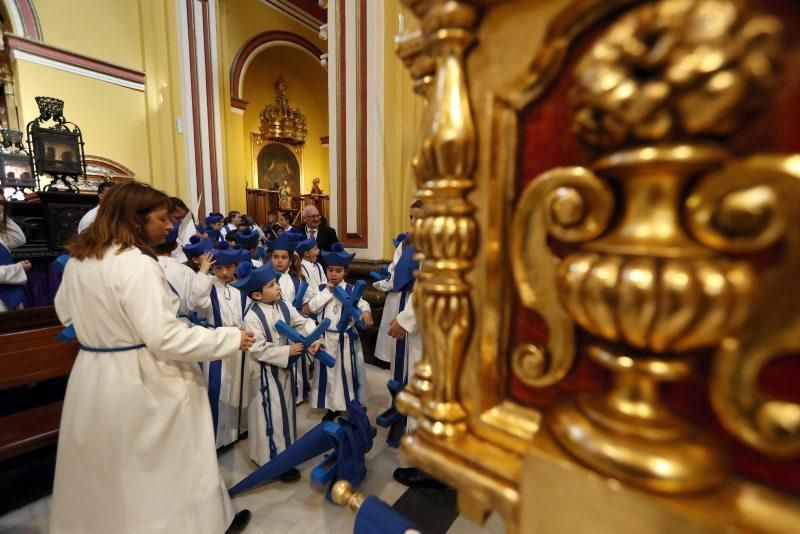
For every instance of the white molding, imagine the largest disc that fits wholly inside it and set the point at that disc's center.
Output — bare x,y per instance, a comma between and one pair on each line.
237,111
375,130
188,112
17,25
294,13
22,55
333,104
260,49
212,15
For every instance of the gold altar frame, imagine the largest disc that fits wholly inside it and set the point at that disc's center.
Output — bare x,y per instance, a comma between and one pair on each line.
471,433
257,143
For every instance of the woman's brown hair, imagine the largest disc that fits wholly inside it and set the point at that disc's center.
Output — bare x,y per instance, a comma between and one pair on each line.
121,219
4,218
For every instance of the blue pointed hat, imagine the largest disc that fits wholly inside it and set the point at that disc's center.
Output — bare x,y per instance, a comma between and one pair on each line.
282,242
247,237
225,255
305,245
338,256
213,218
257,279
197,246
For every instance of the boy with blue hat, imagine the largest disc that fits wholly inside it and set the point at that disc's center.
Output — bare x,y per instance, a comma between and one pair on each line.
248,240
221,304
333,389
281,254
273,367
313,272
195,249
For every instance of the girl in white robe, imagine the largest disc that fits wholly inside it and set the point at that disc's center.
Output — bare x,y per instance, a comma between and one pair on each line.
334,388
221,304
13,274
385,346
271,413
136,448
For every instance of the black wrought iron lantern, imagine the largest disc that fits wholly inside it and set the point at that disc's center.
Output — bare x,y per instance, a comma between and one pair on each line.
56,145
16,168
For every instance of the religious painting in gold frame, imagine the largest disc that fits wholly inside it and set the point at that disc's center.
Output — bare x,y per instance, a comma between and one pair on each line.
274,163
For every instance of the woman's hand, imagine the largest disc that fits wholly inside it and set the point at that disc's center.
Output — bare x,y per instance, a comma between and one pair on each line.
247,339
312,350
295,349
26,264
206,262
367,318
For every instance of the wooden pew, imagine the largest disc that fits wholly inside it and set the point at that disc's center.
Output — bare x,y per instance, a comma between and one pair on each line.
30,353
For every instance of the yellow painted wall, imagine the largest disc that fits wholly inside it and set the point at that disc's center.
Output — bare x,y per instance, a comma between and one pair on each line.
104,29
239,21
134,128
403,113
306,90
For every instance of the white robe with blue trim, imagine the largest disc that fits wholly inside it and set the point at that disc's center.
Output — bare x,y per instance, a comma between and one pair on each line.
15,274
271,412
385,346
231,419
136,447
334,388
181,278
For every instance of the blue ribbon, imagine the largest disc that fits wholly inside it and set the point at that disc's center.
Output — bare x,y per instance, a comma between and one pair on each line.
12,295
393,419
299,294
350,438
380,274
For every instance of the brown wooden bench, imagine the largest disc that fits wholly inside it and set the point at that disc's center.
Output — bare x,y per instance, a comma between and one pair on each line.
30,353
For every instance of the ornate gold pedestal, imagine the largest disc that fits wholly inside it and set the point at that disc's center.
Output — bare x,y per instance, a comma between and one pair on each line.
643,261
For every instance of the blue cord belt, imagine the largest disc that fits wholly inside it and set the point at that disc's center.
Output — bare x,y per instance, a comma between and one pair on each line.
110,349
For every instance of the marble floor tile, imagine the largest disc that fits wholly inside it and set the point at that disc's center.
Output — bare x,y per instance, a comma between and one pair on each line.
298,508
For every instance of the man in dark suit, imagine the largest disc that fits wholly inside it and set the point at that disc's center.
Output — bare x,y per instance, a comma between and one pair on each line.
311,227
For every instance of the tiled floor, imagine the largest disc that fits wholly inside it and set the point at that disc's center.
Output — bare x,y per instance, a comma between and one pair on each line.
298,508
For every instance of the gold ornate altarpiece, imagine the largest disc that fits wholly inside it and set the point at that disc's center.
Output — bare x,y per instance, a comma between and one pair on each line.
637,257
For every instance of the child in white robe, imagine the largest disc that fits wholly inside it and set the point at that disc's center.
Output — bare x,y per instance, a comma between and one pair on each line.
179,277
248,240
333,389
313,272
398,286
136,448
221,304
281,251
273,366
13,274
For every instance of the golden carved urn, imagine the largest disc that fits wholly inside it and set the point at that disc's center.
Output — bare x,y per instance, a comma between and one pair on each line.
657,90
652,242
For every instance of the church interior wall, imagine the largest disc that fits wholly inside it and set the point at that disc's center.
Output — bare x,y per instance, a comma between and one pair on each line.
306,89
239,22
136,127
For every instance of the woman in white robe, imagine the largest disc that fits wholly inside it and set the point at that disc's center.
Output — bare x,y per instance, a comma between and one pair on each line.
136,448
13,274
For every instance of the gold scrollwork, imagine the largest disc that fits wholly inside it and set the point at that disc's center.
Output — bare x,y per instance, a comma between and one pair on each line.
746,207
572,204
